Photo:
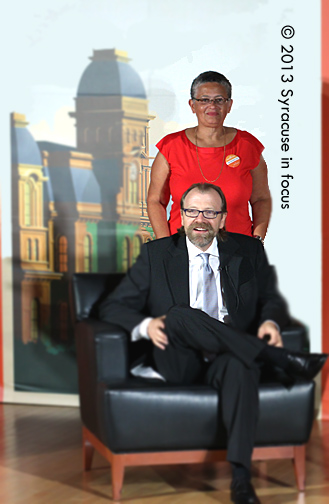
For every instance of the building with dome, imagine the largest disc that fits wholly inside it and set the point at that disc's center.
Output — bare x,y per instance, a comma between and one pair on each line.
76,209
112,123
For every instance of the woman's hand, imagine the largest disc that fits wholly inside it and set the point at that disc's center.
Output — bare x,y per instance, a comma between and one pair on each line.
158,196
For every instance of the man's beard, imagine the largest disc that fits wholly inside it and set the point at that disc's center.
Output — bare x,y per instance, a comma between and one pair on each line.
200,240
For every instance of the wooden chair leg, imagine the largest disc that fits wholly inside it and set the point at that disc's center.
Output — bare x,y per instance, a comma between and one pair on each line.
117,470
87,454
299,466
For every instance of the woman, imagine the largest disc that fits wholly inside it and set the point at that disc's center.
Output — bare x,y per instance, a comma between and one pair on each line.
211,152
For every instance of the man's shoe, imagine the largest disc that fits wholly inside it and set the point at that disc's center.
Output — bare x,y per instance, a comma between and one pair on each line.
303,365
242,492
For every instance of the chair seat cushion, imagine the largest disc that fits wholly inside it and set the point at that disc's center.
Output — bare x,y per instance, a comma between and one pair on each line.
142,416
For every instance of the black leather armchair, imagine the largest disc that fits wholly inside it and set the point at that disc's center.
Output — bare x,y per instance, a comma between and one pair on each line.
132,421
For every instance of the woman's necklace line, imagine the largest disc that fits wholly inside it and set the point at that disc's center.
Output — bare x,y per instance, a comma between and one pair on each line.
197,156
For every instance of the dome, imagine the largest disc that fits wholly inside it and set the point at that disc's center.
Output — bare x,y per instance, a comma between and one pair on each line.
109,74
23,146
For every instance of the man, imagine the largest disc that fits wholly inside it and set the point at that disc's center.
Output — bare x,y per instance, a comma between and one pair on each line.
208,302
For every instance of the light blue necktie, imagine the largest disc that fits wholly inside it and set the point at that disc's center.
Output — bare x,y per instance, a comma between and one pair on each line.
210,297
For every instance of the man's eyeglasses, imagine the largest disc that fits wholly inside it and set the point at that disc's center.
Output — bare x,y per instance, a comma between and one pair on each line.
207,214
217,101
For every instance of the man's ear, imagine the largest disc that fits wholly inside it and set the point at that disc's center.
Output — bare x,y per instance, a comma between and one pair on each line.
222,223
181,217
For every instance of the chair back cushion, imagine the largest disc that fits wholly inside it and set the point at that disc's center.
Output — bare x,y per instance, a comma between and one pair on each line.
89,290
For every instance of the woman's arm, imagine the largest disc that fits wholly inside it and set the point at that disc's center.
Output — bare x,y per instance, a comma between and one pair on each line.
158,196
261,202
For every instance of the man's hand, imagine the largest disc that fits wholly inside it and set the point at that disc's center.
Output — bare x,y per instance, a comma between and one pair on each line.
156,332
271,329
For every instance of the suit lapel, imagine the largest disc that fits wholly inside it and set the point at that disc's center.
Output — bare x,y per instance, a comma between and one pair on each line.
230,268
177,271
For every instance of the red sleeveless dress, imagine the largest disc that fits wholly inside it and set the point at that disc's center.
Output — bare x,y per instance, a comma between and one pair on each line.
241,156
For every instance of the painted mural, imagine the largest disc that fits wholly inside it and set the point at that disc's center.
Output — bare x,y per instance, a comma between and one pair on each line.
78,208
73,195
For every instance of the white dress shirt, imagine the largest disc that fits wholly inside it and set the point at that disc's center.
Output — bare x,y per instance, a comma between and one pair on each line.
196,265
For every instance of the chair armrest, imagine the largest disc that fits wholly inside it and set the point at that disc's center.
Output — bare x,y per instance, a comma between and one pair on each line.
102,350
102,356
295,337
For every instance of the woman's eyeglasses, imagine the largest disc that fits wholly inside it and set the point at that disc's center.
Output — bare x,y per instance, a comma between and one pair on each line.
216,101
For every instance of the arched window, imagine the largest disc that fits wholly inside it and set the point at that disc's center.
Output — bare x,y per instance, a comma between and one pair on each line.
27,203
133,183
141,139
133,192
36,250
137,243
126,253
87,253
29,249
63,321
35,315
62,255
147,238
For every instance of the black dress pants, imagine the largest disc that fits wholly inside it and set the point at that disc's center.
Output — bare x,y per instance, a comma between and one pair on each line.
233,372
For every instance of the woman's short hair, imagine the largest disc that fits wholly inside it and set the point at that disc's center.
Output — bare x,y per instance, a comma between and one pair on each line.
211,76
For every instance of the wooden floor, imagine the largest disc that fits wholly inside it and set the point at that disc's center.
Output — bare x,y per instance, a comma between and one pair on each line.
40,462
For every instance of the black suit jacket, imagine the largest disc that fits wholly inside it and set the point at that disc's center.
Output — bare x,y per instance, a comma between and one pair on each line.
160,279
